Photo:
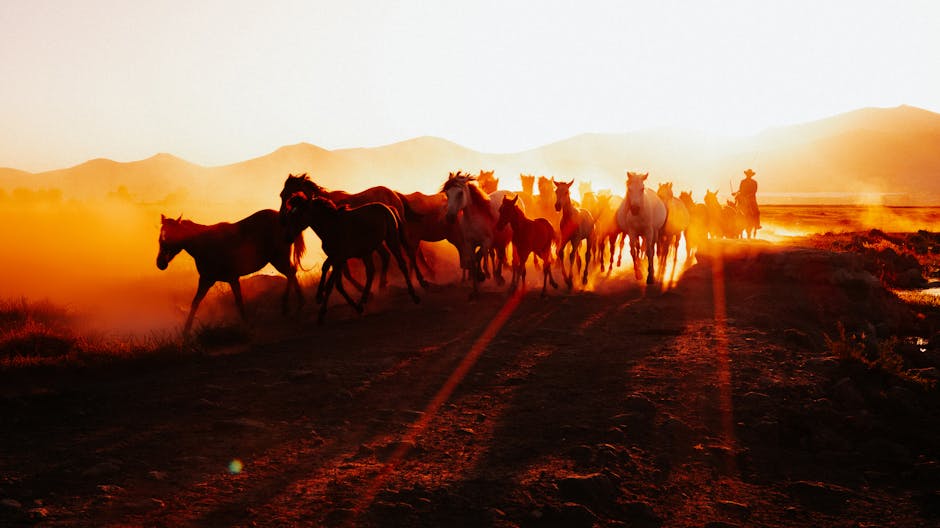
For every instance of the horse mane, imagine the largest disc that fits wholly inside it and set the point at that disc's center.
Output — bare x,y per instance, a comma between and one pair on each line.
477,196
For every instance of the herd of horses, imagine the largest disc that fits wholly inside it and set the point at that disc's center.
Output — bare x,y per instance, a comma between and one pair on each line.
480,220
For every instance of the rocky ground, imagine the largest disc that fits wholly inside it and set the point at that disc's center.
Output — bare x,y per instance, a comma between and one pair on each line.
772,385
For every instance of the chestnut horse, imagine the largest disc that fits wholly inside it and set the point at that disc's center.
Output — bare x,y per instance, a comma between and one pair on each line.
348,233
528,236
224,252
576,225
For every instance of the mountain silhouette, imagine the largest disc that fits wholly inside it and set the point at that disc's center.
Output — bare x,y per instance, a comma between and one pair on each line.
869,151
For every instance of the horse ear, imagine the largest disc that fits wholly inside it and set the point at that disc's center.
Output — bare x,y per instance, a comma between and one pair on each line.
180,218
645,176
515,199
571,182
162,218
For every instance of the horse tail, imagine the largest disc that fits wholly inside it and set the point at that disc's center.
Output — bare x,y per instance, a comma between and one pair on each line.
298,251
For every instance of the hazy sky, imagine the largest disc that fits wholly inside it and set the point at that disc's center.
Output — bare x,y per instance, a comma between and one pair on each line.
220,82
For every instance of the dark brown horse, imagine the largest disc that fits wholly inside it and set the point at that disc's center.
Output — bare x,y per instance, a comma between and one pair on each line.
224,252
398,202
348,233
528,236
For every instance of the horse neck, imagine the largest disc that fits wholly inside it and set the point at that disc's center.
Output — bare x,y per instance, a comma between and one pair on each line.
479,202
568,212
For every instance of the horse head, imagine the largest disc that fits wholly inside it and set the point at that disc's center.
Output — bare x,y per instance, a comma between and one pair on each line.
293,185
664,191
562,194
488,183
711,198
169,241
584,188
636,191
686,198
456,188
507,211
528,183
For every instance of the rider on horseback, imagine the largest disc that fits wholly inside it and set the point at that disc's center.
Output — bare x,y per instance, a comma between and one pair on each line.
746,197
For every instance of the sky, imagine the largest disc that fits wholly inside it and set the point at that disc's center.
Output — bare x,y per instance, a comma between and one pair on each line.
217,82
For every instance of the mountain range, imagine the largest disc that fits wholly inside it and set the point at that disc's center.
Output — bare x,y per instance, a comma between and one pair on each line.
881,155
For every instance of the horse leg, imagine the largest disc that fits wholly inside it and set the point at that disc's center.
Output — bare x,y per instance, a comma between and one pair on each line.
415,254
383,255
588,244
237,292
338,284
635,254
324,273
393,245
575,254
650,258
327,290
623,240
370,272
201,291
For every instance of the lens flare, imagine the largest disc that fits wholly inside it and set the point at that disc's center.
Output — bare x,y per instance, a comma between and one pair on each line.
235,466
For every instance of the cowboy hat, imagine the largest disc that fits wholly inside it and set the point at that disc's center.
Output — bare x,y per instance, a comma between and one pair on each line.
749,173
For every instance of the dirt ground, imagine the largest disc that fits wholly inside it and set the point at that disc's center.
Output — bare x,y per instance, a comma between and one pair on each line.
720,401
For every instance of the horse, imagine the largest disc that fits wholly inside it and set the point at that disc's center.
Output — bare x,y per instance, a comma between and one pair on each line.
470,208
576,225
642,214
747,206
545,202
676,226
606,229
303,184
528,236
588,198
225,251
346,233
426,223
714,215
527,195
697,233
487,182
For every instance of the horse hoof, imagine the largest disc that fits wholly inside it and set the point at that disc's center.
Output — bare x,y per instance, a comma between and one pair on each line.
416,299
649,280
424,284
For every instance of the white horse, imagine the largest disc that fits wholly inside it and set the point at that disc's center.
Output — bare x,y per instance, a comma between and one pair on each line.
642,214
468,205
576,225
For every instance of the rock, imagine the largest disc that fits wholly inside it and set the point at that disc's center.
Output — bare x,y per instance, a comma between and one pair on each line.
12,504
640,404
239,424
819,496
568,514
102,469
157,475
738,509
799,338
595,489
677,432
641,514
885,451
846,393
38,514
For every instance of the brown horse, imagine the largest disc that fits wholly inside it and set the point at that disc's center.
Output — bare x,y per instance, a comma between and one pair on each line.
676,226
528,236
348,233
224,252
576,225
307,187
697,233
527,195
606,229
487,182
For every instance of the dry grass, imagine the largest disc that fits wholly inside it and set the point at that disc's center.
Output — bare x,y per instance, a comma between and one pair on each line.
881,356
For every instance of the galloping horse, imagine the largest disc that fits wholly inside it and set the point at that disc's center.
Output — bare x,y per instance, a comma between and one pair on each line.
425,222
677,225
697,233
545,202
528,198
606,229
715,216
224,252
470,207
348,233
576,225
747,207
528,236
303,184
487,182
642,214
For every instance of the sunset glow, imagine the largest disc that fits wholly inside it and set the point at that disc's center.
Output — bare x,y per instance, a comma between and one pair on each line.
220,82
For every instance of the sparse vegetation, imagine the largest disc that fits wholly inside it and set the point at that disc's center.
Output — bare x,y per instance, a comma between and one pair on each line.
880,355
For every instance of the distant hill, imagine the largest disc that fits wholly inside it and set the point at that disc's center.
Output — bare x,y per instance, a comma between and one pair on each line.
870,152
